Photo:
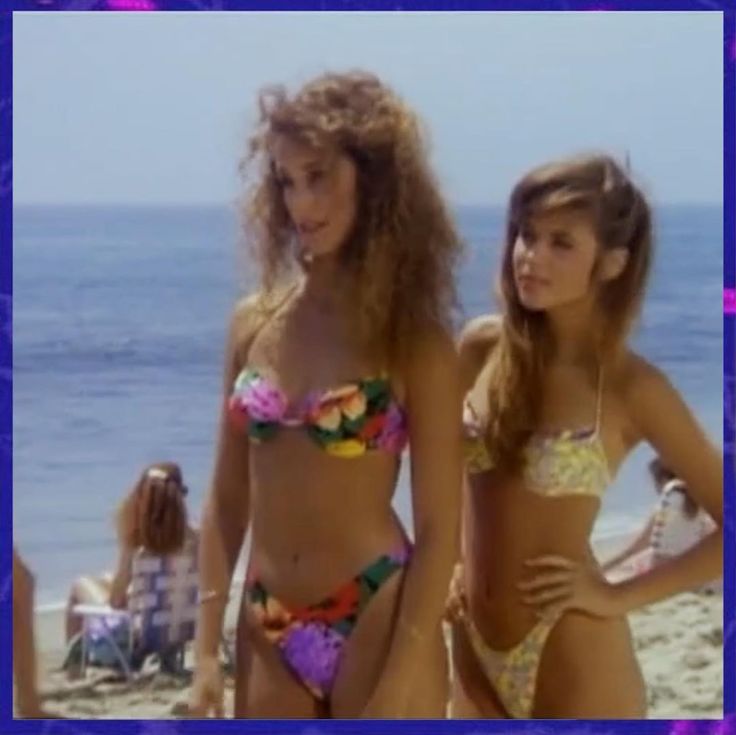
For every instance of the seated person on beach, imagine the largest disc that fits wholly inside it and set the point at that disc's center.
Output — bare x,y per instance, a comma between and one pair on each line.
151,519
675,525
28,701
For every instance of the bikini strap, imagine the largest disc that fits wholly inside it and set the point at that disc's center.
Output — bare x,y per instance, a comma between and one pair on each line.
267,315
599,401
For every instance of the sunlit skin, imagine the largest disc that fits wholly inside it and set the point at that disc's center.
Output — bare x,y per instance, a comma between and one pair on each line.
316,519
554,256
526,554
319,191
28,699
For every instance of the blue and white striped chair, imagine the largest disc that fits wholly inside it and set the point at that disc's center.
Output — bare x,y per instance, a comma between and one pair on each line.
160,617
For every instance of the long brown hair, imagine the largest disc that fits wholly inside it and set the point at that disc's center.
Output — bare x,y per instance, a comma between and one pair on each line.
159,516
621,218
403,249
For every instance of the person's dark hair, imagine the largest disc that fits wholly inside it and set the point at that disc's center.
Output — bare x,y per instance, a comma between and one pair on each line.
661,475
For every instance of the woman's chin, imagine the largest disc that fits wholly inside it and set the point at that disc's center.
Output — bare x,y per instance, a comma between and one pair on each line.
314,254
535,305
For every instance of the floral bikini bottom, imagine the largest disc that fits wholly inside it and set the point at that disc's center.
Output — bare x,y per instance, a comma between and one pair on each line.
311,639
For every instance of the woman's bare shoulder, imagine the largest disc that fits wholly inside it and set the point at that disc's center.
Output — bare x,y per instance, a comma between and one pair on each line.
476,342
480,333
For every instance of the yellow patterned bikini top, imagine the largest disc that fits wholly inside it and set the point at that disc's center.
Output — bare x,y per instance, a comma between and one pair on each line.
569,462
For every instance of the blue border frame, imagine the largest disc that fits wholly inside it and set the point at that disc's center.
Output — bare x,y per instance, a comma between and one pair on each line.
309,727
729,349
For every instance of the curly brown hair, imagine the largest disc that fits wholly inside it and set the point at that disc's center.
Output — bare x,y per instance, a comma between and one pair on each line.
403,248
159,518
621,218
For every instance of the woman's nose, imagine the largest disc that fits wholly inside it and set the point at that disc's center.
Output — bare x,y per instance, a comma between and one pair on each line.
535,253
301,202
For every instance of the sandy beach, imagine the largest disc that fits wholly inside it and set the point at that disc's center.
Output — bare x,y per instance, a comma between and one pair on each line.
678,643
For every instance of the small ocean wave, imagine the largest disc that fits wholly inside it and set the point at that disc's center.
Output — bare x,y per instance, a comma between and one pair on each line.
90,355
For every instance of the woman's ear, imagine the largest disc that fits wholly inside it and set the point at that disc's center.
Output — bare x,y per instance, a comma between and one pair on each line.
613,263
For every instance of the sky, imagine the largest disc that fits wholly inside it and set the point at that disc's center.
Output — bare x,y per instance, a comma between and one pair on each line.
155,108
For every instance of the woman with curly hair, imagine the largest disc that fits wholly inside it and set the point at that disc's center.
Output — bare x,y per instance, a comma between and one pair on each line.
343,357
555,402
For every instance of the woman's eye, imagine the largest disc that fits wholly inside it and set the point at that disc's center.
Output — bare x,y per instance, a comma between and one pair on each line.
562,243
315,176
284,182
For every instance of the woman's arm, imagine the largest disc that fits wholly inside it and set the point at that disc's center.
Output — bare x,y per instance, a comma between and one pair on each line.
24,646
433,407
640,543
121,578
476,342
225,515
125,523
660,417
663,420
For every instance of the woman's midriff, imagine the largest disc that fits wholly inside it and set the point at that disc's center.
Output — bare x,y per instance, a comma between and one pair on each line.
318,520
506,525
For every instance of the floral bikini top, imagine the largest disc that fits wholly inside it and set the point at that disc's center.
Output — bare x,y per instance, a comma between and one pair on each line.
345,421
569,462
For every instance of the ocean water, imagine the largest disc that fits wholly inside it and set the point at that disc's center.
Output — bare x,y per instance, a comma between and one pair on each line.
119,319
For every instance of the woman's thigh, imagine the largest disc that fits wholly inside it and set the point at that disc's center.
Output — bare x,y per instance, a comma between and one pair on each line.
92,590
431,686
365,655
365,651
472,695
588,670
264,687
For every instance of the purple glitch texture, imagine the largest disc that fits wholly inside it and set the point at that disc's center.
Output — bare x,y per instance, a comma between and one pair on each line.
6,333
6,390
212,5
6,320
5,587
686,727
726,727
158,728
130,5
729,381
729,406
78,5
729,301
709,5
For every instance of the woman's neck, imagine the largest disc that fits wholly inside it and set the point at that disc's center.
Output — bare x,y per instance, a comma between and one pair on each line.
574,330
324,285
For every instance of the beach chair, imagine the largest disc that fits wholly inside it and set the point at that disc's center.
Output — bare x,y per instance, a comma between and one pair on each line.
673,532
160,617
